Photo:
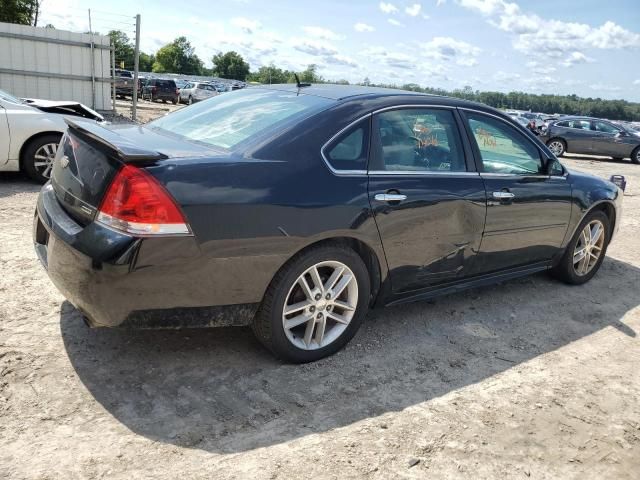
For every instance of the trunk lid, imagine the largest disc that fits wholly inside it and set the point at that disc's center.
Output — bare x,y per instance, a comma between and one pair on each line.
91,154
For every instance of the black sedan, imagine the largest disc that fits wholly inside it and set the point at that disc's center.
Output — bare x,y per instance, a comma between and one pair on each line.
296,209
593,136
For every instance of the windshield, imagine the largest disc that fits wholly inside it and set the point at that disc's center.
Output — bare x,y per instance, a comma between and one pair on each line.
226,120
9,98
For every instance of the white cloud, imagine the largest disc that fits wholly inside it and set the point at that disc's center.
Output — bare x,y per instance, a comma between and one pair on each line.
314,47
388,7
604,87
322,33
340,60
541,68
554,39
363,27
440,2
636,82
245,24
413,10
395,22
575,58
447,48
501,76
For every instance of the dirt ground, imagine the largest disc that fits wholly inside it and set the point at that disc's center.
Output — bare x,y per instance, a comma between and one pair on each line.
526,379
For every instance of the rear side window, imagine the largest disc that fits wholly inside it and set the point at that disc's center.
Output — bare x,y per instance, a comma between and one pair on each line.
350,150
419,139
580,124
226,120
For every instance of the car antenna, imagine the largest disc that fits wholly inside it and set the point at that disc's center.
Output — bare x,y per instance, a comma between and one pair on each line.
300,85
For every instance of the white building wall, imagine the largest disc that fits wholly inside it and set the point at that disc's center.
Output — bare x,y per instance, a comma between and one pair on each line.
55,65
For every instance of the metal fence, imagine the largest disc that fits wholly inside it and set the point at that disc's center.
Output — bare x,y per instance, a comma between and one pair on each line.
55,65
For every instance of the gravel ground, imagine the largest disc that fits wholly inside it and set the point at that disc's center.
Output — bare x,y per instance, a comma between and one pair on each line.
527,379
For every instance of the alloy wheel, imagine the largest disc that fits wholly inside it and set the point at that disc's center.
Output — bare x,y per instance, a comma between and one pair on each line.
320,305
44,157
556,147
589,247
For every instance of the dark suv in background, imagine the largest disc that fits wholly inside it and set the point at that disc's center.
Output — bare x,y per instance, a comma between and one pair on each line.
592,136
160,89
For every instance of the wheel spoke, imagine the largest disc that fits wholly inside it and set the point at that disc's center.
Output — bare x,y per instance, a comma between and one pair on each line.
47,171
596,233
338,318
586,235
315,276
40,164
320,327
41,157
302,281
584,264
295,321
308,333
329,284
579,255
344,306
288,309
342,284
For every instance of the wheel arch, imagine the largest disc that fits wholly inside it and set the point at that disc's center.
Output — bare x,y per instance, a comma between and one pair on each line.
371,259
29,140
607,207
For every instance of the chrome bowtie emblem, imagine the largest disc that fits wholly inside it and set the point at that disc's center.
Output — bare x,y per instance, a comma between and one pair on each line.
64,161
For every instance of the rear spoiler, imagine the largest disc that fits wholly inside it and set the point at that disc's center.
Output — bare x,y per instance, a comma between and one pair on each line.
117,145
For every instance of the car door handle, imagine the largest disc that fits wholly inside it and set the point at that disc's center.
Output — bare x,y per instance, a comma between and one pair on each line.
503,195
390,197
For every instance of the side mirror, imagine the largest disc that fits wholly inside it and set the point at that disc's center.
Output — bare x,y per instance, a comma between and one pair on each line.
621,133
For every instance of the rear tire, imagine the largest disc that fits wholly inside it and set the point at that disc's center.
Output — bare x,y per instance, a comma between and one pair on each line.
569,269
635,155
190,101
325,326
38,155
557,146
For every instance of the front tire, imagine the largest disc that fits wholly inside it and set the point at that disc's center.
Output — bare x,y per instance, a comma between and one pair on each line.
38,156
314,305
586,250
635,155
557,146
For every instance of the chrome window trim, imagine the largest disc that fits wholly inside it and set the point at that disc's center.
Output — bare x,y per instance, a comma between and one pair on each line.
434,173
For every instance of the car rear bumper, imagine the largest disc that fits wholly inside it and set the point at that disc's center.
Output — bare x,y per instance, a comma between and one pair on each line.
119,280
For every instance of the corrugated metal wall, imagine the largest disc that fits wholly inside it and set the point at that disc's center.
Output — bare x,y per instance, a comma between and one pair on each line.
54,65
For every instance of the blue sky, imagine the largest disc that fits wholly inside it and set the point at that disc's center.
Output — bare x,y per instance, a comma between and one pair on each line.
588,47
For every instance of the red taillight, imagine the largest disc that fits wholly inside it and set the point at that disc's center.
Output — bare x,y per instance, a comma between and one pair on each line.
177,91
136,203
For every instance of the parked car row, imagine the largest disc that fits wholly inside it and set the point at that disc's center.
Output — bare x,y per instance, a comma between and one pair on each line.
592,136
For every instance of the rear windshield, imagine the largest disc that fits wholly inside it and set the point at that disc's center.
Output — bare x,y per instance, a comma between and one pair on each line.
226,120
166,83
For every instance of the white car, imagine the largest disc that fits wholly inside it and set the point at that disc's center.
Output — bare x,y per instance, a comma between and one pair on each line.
30,131
196,91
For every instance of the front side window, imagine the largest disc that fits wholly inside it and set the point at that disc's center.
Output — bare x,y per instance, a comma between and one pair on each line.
419,139
350,150
605,127
226,120
502,148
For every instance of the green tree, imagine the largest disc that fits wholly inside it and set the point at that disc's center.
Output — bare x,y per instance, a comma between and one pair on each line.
23,12
230,65
270,74
146,61
178,57
124,50
311,75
